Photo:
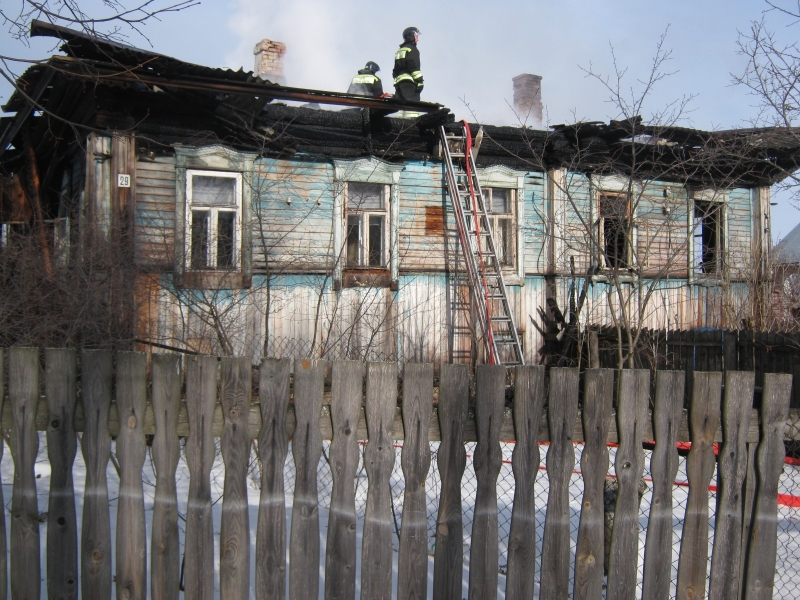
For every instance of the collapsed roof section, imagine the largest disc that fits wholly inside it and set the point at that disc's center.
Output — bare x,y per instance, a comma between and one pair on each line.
101,85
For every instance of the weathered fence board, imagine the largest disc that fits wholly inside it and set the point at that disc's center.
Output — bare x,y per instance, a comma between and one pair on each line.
562,408
131,559
340,559
309,379
96,373
61,375
705,412
726,555
528,404
23,392
760,579
165,559
201,397
629,464
589,555
488,459
379,458
273,445
412,570
234,537
663,469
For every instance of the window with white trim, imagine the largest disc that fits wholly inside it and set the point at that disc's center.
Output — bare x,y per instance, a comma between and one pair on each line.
614,231
500,206
707,237
366,225
213,220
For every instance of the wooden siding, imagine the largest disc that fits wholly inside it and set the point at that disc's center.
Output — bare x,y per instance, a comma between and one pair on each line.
739,218
154,234
421,188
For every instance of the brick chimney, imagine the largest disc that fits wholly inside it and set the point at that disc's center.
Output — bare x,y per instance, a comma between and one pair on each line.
269,61
528,99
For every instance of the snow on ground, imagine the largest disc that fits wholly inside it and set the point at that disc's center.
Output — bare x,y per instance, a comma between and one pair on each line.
788,518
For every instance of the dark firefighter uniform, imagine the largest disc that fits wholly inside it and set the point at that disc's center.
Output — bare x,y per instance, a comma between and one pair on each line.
366,83
407,74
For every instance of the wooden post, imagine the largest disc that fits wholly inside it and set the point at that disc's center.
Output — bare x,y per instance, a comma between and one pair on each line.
528,406
725,558
488,459
412,570
663,469
23,392
629,464
379,457
704,414
234,536
597,402
131,575
761,553
562,409
95,542
273,445
61,378
309,381
340,558
201,398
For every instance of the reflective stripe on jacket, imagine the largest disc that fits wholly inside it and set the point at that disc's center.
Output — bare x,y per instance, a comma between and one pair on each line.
366,84
407,65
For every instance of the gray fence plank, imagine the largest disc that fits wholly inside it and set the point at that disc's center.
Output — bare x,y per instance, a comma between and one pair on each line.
131,559
483,556
273,445
201,398
528,405
727,551
309,378
165,559
340,559
61,376
667,414
234,537
629,464
562,409
95,542
412,570
23,392
703,421
589,556
448,562
762,549
379,457
748,503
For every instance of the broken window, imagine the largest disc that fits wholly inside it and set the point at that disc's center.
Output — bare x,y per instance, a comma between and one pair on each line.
707,237
213,219
615,230
500,204
367,224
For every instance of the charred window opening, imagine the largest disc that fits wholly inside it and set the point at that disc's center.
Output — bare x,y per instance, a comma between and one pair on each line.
213,219
707,237
367,228
500,204
615,231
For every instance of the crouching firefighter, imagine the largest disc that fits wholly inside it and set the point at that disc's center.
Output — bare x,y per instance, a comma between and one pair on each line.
367,83
407,74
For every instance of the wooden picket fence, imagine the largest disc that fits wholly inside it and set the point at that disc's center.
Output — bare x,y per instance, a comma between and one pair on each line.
110,399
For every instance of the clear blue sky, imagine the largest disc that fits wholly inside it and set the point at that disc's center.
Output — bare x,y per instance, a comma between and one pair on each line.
471,50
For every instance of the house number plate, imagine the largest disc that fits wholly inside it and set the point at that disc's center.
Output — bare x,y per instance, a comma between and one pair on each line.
123,180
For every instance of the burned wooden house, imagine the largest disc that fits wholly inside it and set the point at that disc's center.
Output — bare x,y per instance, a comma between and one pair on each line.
250,223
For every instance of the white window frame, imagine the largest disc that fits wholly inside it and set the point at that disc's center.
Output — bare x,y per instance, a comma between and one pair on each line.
509,216
630,245
363,245
211,259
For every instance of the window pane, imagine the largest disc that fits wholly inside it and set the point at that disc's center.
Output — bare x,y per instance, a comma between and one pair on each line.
615,233
505,242
375,240
501,200
708,234
213,191
353,239
225,225
199,249
614,205
364,196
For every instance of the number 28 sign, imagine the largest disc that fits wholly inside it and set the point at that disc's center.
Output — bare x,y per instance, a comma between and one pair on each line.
123,180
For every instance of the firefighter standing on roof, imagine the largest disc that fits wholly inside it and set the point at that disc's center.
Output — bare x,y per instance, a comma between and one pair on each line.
407,74
367,83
